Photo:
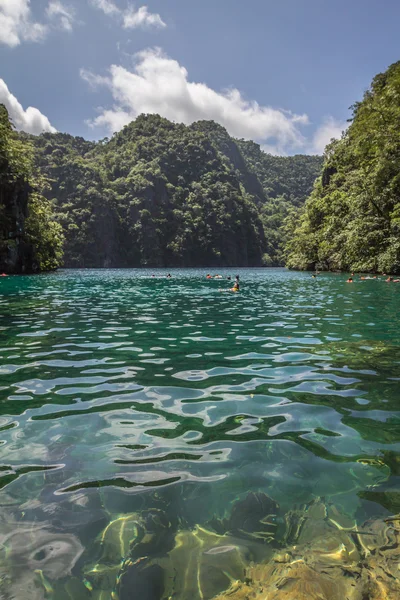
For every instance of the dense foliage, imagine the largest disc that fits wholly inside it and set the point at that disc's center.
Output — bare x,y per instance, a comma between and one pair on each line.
30,238
164,194
352,219
286,182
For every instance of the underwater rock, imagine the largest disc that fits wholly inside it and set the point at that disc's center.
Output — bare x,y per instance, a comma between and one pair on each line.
34,547
323,555
254,517
352,563
140,580
291,581
389,499
112,546
32,557
126,540
200,565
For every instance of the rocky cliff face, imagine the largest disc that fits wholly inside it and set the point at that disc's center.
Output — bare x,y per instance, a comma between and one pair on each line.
16,254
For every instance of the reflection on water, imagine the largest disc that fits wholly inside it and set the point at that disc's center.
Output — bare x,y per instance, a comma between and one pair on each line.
159,436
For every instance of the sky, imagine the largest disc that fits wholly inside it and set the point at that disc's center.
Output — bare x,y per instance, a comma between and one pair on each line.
281,72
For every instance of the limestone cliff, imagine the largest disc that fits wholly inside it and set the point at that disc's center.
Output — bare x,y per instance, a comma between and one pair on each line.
16,253
30,238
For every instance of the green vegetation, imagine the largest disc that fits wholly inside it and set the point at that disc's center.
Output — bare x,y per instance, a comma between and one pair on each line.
30,239
352,219
164,194
286,182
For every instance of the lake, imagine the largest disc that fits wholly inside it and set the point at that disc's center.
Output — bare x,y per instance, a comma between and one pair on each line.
150,417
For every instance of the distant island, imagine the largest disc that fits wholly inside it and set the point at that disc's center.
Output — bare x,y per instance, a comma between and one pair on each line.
161,194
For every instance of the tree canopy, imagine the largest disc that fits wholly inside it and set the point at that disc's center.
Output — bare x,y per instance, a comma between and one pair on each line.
164,194
351,220
30,238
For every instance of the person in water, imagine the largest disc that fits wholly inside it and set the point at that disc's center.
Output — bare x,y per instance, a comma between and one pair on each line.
236,285
169,276
350,280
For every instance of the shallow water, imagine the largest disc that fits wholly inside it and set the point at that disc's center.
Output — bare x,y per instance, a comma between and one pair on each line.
122,393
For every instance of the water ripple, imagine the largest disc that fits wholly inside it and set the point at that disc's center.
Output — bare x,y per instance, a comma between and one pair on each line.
118,381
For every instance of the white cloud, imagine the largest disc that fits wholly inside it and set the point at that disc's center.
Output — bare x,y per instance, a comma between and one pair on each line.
93,80
63,15
134,19
16,23
159,84
330,128
30,120
107,6
131,18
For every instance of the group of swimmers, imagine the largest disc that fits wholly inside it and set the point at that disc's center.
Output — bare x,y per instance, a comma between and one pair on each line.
388,280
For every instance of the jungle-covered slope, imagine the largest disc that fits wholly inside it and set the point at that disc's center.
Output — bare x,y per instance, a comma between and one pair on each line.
165,194
351,220
30,239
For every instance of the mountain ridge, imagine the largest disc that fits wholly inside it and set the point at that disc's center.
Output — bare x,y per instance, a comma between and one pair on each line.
159,193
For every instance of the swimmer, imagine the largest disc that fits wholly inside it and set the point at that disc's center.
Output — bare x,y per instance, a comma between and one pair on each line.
208,276
235,288
169,276
350,280
389,279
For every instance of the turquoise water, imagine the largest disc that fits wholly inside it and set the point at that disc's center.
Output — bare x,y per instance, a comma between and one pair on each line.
123,393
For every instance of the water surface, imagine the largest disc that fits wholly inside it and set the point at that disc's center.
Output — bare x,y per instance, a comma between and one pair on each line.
123,393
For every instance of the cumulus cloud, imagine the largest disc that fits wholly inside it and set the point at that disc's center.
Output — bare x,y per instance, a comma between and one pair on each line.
134,19
16,24
107,6
330,128
61,15
159,84
130,17
30,120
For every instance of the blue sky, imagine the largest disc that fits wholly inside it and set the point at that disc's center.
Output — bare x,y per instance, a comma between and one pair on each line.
281,72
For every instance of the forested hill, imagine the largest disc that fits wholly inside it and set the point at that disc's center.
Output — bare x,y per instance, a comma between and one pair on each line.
30,238
286,181
352,218
165,194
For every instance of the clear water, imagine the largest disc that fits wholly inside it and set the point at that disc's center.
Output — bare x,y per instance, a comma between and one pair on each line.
123,393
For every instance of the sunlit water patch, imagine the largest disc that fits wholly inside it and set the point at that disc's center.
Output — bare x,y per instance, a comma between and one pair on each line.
158,435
